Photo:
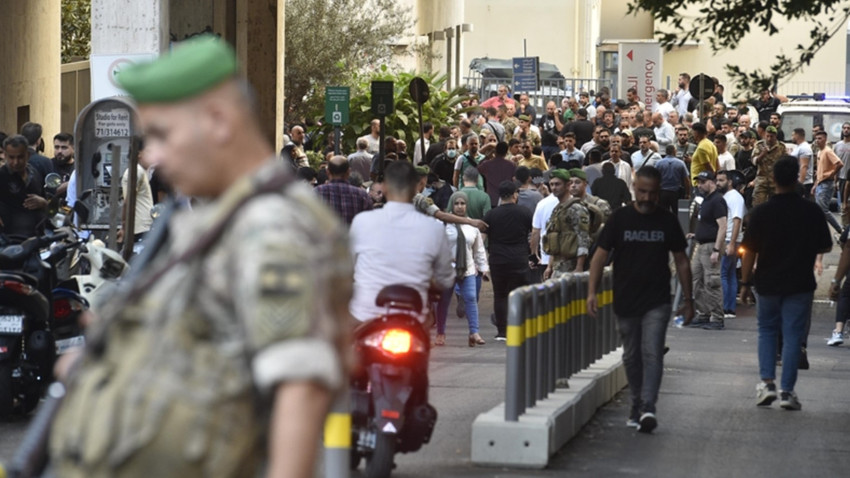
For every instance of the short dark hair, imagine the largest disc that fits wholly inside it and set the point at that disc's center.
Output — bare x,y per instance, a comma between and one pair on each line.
762,125
522,174
401,177
582,112
786,171
721,137
492,111
649,172
507,189
608,169
306,173
64,137
670,150
501,148
698,128
513,142
32,132
570,134
427,126
800,132
15,141
445,132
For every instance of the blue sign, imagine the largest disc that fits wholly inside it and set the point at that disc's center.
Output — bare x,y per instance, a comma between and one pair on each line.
526,73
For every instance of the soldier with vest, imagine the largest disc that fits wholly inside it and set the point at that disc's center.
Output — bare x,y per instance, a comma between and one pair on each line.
766,152
222,351
567,238
597,208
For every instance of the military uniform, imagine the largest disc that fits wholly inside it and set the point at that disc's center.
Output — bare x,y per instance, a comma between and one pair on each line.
603,207
764,187
510,123
577,219
243,293
532,137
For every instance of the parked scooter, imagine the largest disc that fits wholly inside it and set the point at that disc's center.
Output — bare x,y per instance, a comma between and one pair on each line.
389,392
27,347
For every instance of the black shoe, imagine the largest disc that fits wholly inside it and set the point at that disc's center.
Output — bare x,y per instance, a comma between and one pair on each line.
804,360
697,323
647,422
713,326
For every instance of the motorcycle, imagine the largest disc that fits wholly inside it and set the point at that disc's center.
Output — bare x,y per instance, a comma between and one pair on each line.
27,346
389,392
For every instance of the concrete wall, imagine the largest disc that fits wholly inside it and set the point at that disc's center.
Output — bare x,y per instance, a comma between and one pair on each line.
616,25
826,73
30,54
129,27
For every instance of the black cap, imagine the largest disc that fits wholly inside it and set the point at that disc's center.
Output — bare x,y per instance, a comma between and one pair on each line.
705,176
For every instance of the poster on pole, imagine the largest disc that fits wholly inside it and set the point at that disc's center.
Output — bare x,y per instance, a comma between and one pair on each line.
104,69
640,68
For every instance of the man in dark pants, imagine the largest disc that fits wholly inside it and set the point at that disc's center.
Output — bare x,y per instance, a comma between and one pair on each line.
641,237
508,228
785,234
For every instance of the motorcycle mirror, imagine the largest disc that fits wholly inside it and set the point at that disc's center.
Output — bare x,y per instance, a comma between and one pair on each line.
52,181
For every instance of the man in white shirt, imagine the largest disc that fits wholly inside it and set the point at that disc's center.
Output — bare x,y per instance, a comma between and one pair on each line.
664,133
428,131
374,137
683,95
662,104
542,213
731,182
645,156
622,169
803,153
397,245
725,160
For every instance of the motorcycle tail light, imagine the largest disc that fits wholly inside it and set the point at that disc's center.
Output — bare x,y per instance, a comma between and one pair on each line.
394,342
61,308
18,287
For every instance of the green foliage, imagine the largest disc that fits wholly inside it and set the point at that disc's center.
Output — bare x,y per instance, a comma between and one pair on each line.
329,41
403,123
726,23
76,30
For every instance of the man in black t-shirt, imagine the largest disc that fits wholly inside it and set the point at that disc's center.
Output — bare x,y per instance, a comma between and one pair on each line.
641,237
507,235
785,234
710,235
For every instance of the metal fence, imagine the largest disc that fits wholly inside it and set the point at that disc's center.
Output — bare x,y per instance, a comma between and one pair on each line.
551,89
551,336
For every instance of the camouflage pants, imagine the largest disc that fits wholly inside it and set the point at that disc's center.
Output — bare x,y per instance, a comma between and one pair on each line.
708,288
762,190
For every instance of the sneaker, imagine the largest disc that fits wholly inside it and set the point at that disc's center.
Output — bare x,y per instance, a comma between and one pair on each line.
647,423
713,326
765,394
729,315
501,338
633,423
697,323
788,401
836,339
804,360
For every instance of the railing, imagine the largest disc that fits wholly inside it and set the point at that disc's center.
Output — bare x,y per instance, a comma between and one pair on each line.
550,336
549,89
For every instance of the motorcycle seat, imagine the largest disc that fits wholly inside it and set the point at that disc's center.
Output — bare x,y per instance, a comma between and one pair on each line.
19,277
400,297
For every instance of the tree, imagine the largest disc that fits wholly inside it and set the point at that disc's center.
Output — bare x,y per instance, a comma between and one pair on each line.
76,30
403,123
726,23
329,41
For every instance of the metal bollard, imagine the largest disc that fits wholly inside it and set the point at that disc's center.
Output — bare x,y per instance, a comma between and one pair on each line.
530,325
338,438
515,380
561,325
539,342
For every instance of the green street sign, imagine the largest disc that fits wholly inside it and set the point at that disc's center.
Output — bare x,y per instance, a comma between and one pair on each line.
383,101
336,104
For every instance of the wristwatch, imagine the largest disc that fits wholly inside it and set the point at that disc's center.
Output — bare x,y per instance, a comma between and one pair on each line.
714,249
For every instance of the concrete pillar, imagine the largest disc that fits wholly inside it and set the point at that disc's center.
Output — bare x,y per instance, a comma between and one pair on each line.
257,49
30,47
129,27
280,102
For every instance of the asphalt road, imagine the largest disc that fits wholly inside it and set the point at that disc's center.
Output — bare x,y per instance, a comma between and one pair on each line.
708,423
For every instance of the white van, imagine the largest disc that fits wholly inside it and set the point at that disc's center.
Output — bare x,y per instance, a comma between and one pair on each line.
805,112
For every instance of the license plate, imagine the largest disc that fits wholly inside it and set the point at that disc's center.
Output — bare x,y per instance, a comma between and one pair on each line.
64,345
11,324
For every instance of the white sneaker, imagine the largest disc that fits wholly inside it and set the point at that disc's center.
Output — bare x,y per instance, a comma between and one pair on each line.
836,339
789,401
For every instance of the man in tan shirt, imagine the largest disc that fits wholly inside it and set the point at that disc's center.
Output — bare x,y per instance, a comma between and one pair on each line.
824,188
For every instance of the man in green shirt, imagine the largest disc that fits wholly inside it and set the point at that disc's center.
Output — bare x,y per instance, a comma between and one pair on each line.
479,201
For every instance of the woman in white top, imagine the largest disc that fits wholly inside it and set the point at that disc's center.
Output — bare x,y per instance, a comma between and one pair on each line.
469,260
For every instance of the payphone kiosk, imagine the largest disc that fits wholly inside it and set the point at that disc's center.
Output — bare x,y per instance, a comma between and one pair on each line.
107,136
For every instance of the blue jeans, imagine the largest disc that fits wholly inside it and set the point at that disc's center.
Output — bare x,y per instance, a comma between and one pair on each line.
643,355
788,314
824,192
467,288
729,278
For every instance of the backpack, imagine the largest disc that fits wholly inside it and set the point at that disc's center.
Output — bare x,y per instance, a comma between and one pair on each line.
598,212
561,239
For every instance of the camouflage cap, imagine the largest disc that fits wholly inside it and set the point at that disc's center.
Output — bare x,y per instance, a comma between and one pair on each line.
192,68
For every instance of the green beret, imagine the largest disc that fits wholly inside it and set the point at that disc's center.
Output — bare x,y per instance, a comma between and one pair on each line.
524,118
578,173
193,67
772,129
561,174
423,170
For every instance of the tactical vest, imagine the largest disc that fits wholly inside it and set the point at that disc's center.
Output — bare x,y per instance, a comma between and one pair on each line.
561,239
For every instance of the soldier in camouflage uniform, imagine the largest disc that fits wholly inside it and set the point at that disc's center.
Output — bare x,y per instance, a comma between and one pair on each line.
575,218
765,154
220,355
525,132
578,189
509,121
